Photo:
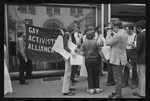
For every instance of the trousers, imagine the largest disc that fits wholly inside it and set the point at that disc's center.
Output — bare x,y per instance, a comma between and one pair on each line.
73,72
93,72
22,69
66,80
134,72
29,69
117,72
110,78
142,83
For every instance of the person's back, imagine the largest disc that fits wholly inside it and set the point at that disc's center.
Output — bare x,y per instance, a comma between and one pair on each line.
118,50
91,49
142,52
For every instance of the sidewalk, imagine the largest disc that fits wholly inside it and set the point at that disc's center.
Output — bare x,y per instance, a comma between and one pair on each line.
38,88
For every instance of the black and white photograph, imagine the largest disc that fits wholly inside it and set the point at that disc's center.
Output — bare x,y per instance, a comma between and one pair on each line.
75,50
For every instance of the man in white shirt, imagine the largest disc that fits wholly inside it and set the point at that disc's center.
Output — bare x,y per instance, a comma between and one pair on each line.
131,57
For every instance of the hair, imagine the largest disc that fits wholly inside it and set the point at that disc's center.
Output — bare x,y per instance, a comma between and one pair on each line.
70,28
96,29
90,33
118,23
88,29
141,24
19,33
130,26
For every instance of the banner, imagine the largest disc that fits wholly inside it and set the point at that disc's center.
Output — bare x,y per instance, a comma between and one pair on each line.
39,43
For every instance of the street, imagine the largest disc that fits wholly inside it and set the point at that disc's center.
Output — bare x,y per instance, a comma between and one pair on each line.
48,88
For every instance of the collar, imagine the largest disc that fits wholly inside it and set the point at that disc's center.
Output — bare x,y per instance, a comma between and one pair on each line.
143,30
20,38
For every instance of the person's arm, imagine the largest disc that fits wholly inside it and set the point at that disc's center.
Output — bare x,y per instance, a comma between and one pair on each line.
81,50
22,51
65,40
113,40
100,52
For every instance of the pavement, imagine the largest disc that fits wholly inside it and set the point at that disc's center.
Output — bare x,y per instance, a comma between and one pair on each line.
51,88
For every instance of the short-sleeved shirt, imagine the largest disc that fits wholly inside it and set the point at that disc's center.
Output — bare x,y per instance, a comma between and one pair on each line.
21,46
91,48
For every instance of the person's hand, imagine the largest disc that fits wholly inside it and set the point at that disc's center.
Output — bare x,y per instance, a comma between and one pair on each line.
105,60
73,54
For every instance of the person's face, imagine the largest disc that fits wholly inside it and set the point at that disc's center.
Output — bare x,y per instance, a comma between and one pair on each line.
129,31
134,29
115,29
99,30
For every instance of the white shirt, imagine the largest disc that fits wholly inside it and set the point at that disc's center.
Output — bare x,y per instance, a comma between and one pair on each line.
130,41
76,35
84,37
99,38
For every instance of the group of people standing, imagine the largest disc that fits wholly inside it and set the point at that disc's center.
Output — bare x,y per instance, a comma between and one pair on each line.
125,47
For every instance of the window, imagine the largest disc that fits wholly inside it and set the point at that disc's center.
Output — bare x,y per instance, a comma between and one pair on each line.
56,10
76,12
32,10
27,9
24,9
72,11
50,10
80,11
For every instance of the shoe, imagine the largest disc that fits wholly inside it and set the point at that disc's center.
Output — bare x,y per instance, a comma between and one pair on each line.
134,86
72,89
112,95
69,94
138,95
99,90
110,84
90,92
123,86
26,83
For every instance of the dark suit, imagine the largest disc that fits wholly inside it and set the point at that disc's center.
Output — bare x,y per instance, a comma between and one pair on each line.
141,60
